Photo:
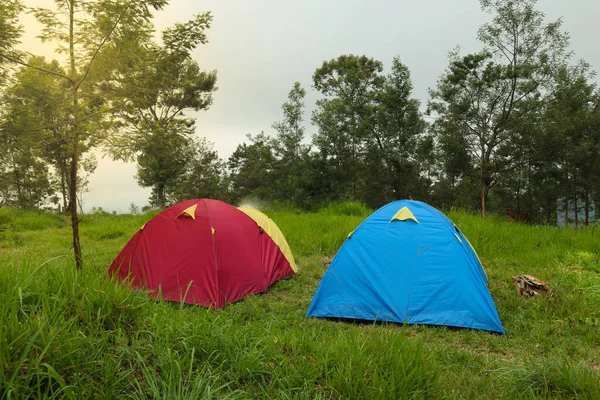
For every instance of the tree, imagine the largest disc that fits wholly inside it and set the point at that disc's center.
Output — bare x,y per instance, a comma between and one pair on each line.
10,30
251,166
203,176
291,154
487,93
572,134
290,130
27,102
343,117
166,83
162,160
393,140
87,31
454,162
24,178
46,98
180,168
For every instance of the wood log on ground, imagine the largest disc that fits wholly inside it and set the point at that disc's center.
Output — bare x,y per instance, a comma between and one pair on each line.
528,285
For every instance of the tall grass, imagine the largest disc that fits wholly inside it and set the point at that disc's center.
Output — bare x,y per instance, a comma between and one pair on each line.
348,208
389,367
31,220
69,334
556,377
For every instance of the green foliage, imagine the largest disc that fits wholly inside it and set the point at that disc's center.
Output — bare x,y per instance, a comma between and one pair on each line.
251,167
512,117
10,30
370,136
181,39
203,174
155,132
290,172
350,84
397,153
162,160
34,136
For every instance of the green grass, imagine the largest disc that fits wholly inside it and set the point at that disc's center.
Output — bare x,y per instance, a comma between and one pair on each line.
67,334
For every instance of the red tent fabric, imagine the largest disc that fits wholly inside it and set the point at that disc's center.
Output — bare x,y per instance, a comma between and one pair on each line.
203,252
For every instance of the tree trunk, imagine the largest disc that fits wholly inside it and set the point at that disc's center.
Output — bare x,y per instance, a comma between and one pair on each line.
587,205
63,187
74,156
576,210
160,196
18,186
73,193
519,196
483,196
530,193
354,162
566,196
452,184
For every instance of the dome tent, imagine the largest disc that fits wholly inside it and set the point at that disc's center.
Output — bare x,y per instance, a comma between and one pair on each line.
407,263
205,252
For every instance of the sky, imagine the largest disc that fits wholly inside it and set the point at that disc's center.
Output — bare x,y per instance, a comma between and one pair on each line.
259,48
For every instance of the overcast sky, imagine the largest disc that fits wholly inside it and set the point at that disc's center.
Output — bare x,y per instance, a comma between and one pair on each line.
259,48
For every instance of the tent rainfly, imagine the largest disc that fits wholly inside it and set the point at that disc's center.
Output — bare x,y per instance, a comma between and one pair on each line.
205,252
407,263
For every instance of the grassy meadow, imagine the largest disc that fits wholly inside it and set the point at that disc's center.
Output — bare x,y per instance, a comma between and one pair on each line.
74,335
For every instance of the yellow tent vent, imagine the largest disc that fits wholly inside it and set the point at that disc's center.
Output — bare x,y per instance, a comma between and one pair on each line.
273,231
191,211
403,214
213,230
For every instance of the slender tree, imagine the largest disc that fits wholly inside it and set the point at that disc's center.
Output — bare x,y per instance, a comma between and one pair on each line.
486,93
85,31
291,154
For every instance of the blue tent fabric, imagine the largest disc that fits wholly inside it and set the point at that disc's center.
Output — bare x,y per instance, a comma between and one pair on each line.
404,271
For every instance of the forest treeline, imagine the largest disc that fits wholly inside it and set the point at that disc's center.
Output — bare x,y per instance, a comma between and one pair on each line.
512,126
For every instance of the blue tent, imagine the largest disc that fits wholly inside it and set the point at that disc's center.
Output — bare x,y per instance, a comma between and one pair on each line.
407,262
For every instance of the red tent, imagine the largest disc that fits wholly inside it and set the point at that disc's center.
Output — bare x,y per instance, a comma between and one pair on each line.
205,252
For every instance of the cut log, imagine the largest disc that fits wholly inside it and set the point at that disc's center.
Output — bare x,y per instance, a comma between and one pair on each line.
528,285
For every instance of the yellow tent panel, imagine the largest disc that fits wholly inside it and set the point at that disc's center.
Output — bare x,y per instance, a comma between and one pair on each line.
403,214
273,231
191,211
